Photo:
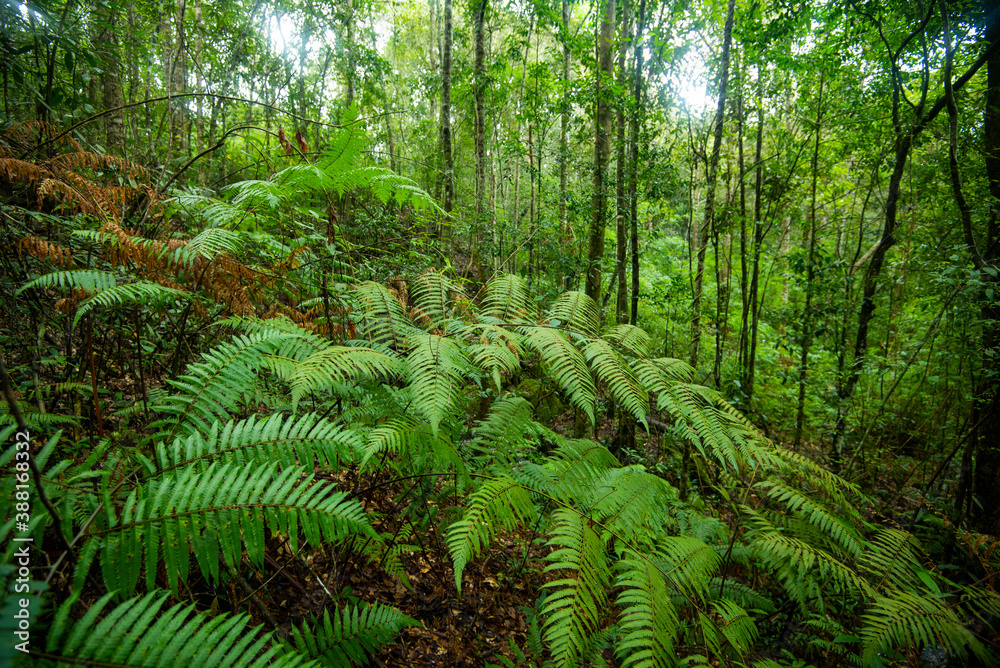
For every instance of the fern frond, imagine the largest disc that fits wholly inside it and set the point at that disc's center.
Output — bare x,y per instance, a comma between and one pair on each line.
648,619
508,430
138,633
569,473
635,341
436,370
577,311
299,343
306,441
214,241
615,373
508,299
211,388
500,503
222,510
431,296
151,294
737,627
903,619
630,502
494,349
383,319
88,280
688,565
217,214
418,444
567,366
831,527
891,559
338,364
576,603
351,635
387,185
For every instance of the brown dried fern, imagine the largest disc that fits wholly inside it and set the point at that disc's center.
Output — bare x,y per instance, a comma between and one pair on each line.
47,251
97,161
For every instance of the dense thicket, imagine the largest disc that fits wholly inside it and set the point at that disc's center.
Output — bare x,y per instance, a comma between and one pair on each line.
632,332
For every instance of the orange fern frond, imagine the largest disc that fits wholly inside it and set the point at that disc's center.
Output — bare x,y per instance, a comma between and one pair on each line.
69,304
95,161
21,171
65,195
47,252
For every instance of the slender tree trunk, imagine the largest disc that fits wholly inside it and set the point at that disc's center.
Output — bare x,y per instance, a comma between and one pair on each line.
622,207
178,80
986,410
200,112
349,46
479,97
807,310
106,43
602,147
713,172
758,242
633,181
564,132
449,169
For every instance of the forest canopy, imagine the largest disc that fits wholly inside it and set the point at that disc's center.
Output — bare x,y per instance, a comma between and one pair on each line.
623,333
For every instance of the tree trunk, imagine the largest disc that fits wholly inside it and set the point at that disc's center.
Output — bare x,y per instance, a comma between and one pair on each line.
106,44
987,398
633,181
758,242
479,96
622,207
449,169
713,172
564,132
807,310
602,147
178,81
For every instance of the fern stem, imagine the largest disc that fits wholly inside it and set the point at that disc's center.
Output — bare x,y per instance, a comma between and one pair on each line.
15,410
251,595
93,377
295,583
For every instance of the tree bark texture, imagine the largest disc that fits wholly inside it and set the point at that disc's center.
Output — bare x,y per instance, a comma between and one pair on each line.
602,147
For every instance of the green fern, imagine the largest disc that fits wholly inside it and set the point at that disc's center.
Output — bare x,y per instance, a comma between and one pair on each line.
903,619
383,318
138,632
212,389
214,241
648,620
507,299
613,371
576,311
222,510
306,440
495,350
500,503
431,294
338,364
88,280
576,602
142,292
349,637
436,371
567,366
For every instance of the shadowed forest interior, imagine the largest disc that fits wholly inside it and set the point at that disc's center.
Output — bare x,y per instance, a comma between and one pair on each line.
550,333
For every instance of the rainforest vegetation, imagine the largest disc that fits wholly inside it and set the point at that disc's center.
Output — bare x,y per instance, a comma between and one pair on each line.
545,333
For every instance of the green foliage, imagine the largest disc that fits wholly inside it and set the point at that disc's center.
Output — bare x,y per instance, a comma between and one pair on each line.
138,632
223,509
632,566
351,635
